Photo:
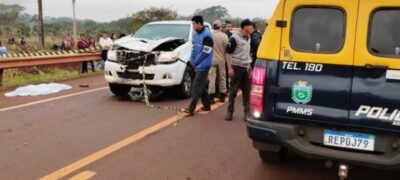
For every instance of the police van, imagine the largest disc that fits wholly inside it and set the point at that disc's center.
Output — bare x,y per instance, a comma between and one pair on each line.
326,84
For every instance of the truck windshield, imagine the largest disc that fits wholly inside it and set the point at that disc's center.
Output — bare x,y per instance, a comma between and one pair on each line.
161,31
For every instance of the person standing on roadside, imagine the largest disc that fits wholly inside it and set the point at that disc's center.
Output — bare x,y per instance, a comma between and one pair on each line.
83,44
228,31
239,60
228,28
200,59
92,47
255,40
114,37
3,49
217,70
106,44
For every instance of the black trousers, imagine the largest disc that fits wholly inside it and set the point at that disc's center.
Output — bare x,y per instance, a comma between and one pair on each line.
200,90
240,80
104,54
85,69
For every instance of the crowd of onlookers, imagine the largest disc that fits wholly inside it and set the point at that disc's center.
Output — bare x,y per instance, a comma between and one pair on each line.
12,42
223,59
85,41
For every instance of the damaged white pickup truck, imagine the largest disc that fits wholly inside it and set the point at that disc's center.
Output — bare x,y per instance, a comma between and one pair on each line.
163,48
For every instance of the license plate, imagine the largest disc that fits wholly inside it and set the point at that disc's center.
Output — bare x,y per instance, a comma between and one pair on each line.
364,142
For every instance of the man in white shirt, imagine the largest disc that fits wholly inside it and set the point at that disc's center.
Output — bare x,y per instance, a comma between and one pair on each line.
106,44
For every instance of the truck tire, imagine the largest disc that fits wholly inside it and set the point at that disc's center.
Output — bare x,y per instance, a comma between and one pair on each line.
273,157
184,90
119,89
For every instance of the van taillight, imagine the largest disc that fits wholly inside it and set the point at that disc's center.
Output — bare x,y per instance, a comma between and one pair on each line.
257,91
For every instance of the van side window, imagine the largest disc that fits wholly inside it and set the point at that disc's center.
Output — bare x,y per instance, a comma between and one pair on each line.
384,36
318,30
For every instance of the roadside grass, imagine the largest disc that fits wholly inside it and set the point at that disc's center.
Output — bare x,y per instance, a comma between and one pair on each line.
44,76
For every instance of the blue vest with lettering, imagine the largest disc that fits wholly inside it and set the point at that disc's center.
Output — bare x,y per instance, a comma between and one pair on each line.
201,57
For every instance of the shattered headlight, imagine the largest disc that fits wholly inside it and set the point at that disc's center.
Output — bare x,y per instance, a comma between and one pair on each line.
167,57
112,55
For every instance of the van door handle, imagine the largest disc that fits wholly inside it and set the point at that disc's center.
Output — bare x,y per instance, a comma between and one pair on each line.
381,67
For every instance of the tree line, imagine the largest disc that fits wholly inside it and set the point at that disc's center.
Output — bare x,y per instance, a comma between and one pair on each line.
15,22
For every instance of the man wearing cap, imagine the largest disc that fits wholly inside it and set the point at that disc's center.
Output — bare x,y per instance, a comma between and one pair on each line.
238,59
217,70
200,59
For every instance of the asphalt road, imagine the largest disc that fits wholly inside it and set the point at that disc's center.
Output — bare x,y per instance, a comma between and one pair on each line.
87,133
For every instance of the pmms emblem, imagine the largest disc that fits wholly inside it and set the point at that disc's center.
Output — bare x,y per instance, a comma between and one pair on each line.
302,92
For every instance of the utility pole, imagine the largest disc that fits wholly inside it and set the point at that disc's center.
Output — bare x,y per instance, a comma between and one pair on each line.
73,11
41,26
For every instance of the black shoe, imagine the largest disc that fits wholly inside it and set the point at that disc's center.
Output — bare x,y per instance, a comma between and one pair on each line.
222,97
229,116
211,98
188,112
205,109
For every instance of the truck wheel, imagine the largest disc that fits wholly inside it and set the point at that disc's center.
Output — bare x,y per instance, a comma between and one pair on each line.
184,90
119,89
273,157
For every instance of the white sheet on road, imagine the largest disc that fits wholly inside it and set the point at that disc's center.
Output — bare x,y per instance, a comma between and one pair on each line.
37,90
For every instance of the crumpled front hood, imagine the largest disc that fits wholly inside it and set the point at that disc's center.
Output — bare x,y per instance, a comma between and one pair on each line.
139,44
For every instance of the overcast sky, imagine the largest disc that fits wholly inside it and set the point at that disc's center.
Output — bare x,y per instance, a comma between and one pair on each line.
107,10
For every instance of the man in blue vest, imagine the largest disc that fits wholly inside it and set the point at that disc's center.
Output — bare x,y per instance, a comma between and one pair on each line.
201,59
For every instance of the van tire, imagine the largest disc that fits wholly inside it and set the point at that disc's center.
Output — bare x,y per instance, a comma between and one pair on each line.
273,157
184,90
119,89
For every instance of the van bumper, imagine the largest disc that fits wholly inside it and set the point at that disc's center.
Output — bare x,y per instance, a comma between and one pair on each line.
307,141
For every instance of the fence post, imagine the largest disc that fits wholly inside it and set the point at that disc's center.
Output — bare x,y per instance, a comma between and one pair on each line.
1,78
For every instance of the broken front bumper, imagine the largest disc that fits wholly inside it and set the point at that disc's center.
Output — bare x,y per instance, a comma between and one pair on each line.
164,75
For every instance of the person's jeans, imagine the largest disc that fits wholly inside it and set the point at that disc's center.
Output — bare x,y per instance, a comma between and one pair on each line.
240,80
200,90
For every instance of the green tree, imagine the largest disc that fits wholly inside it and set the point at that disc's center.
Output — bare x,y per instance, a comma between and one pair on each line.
260,24
213,13
9,18
152,14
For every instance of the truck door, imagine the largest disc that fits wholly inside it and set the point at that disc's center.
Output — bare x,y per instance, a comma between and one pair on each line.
375,100
315,70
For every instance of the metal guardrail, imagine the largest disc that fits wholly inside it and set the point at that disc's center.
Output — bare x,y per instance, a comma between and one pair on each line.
29,61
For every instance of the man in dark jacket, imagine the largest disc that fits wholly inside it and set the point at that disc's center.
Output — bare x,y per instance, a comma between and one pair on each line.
201,59
255,40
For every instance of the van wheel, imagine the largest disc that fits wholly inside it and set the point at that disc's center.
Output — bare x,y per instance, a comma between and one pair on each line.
273,157
184,90
119,89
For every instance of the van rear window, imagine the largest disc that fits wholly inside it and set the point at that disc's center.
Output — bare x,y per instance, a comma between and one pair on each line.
384,36
318,30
